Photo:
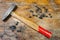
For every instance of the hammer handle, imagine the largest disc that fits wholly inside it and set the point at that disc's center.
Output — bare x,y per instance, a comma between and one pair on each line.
33,25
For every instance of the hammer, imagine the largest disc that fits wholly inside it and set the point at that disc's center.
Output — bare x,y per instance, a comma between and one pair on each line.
26,21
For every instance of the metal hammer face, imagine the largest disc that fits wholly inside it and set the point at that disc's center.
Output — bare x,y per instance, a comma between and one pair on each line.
8,12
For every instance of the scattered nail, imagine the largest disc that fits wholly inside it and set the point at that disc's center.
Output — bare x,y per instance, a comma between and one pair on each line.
17,23
13,27
46,16
31,11
46,10
41,17
50,16
21,29
30,17
18,30
33,15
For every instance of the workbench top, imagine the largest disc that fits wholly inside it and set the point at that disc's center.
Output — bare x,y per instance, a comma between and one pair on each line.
25,33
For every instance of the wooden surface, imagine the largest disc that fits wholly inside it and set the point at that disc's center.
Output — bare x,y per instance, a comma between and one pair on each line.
26,33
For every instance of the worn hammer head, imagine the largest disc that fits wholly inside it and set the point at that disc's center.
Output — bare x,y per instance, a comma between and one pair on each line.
8,12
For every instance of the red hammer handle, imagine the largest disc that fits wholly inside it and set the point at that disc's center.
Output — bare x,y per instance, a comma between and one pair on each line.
44,32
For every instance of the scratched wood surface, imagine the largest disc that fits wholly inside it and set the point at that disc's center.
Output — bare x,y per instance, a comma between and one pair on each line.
27,33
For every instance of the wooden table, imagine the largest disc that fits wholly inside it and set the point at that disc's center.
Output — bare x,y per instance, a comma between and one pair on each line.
26,33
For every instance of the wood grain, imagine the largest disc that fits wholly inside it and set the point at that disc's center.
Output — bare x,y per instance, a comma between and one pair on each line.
52,25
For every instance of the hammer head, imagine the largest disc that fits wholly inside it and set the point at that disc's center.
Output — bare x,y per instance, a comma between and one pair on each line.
8,12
